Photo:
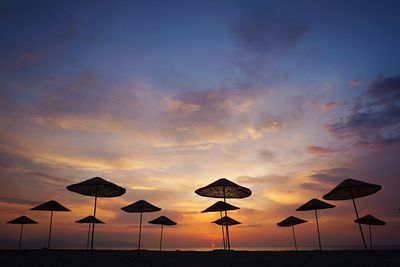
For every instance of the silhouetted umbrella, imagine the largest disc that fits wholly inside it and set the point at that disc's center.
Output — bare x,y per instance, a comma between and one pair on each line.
90,220
369,220
316,204
221,206
291,221
162,220
223,188
22,220
351,189
140,207
50,206
96,187
225,220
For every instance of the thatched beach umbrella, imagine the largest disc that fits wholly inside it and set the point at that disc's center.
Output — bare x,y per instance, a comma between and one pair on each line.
162,220
315,204
221,206
227,220
369,220
22,220
140,207
351,189
50,206
96,187
89,220
291,221
223,188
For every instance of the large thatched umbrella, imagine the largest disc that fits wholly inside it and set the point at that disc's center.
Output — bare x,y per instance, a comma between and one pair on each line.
96,187
223,188
291,221
316,204
369,220
162,220
50,206
140,207
22,220
351,189
89,220
221,206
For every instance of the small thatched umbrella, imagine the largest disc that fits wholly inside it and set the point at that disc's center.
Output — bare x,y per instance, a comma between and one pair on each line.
227,220
162,220
351,189
291,221
140,207
316,204
50,206
223,188
96,187
89,220
370,220
221,206
22,220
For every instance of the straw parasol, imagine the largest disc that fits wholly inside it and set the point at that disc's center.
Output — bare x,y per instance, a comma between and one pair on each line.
221,206
223,188
96,187
291,221
316,204
22,220
162,220
227,220
50,206
140,207
351,189
89,220
369,220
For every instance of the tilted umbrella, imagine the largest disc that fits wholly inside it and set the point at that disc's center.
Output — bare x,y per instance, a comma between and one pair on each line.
369,220
140,207
316,204
89,220
221,206
162,220
22,220
223,188
291,221
50,206
96,187
351,189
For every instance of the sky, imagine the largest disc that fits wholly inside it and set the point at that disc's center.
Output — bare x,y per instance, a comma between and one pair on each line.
287,98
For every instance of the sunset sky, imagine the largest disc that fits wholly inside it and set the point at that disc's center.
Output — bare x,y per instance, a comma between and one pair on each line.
287,98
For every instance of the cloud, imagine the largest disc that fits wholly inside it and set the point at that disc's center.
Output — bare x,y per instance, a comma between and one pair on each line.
333,105
265,155
18,201
319,150
354,82
333,175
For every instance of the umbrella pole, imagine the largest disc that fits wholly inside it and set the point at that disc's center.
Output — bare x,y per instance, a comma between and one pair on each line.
226,223
370,235
359,225
140,229
51,222
20,236
161,236
319,237
294,237
94,214
88,237
223,234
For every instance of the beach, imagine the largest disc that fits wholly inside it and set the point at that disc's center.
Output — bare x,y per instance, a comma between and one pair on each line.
70,258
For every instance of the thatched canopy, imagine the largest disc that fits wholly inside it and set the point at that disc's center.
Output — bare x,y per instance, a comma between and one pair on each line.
163,220
220,206
141,206
97,187
369,219
224,220
51,206
291,221
22,220
351,188
89,219
223,188
315,204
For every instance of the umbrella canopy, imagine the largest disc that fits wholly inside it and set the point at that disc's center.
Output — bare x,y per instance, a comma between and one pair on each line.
315,204
220,206
141,206
97,187
291,221
51,206
89,219
22,220
163,221
223,188
226,219
350,189
370,220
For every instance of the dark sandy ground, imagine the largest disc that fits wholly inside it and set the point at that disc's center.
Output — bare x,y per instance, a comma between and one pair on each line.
70,258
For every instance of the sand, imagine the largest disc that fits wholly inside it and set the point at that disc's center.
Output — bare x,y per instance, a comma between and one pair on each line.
69,258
